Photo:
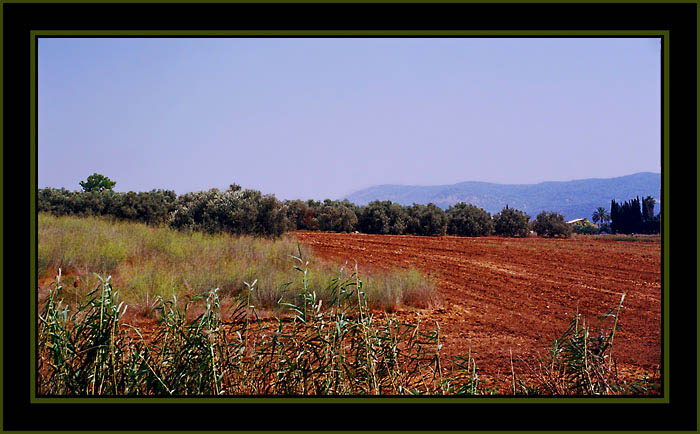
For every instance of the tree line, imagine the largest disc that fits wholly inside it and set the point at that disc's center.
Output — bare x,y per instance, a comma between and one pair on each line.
633,216
240,211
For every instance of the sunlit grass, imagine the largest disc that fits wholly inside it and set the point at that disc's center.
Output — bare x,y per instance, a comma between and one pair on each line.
147,262
336,347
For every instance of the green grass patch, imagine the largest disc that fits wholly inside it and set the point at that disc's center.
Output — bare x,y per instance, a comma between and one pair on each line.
625,237
146,262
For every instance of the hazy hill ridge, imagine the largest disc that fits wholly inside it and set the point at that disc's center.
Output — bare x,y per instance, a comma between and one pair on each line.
573,199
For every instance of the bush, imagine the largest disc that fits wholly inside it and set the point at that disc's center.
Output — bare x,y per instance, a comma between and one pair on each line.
272,220
382,217
300,215
585,228
337,218
63,202
152,207
551,224
427,220
511,223
233,211
468,221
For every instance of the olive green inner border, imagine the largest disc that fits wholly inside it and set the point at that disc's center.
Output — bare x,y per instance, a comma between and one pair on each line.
34,35
355,1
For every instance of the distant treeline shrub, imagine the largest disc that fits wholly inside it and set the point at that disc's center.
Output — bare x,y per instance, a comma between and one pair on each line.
427,219
378,217
236,211
383,217
469,221
153,207
329,215
511,223
249,212
551,224
586,228
302,215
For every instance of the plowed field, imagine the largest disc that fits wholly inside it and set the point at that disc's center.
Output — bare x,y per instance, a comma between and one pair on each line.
503,294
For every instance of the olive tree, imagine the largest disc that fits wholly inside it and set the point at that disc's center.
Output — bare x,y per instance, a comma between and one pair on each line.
551,224
511,223
428,220
338,218
468,221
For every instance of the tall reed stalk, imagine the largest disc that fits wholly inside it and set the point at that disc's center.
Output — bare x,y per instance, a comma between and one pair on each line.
314,346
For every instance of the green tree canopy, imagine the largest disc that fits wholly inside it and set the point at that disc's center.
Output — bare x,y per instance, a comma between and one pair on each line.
551,224
382,217
468,221
97,182
511,222
338,218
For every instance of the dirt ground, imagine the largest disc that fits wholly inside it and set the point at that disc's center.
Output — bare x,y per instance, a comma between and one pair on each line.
503,294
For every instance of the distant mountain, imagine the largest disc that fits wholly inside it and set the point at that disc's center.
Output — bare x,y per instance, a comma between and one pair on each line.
573,199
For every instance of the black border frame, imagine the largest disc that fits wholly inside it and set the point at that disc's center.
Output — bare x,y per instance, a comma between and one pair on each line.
19,19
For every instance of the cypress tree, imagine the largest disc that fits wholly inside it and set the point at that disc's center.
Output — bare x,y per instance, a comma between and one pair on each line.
636,216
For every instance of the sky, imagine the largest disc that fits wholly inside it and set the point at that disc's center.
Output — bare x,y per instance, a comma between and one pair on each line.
324,117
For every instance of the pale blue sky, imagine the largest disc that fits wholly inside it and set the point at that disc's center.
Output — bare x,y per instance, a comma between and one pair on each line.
321,118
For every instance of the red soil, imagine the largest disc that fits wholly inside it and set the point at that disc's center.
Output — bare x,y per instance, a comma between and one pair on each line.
502,294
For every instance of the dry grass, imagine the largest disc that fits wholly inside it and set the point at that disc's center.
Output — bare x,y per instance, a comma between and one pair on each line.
334,348
147,262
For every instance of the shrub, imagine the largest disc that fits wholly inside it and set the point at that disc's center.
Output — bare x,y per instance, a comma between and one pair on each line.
233,211
382,217
511,223
301,216
272,220
54,201
429,220
551,224
152,207
337,218
468,221
397,218
373,219
585,228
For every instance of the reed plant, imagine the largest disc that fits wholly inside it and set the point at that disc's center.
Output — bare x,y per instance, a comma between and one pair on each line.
580,362
312,347
317,346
